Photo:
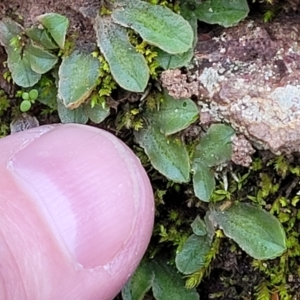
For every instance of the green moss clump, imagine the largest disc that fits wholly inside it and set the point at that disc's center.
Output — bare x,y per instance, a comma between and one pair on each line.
4,108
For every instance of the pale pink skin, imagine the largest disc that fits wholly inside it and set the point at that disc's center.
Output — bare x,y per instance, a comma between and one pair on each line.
76,214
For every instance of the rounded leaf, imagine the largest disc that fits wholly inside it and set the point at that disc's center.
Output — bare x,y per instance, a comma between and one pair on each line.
157,25
128,67
78,74
41,61
23,122
169,284
20,68
42,37
203,181
57,26
67,115
97,113
33,94
17,63
167,155
256,231
199,227
215,147
9,29
174,115
192,256
223,12
140,283
25,96
173,61
25,105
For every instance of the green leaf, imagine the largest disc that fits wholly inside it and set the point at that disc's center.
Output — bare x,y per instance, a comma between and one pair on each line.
25,96
174,115
199,227
168,283
67,115
256,231
167,154
192,256
157,25
9,29
128,67
25,105
41,36
41,61
19,65
57,25
215,147
33,94
97,114
78,74
140,283
174,61
210,228
20,68
203,181
223,12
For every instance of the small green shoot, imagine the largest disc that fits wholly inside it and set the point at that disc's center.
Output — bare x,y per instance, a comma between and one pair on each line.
29,98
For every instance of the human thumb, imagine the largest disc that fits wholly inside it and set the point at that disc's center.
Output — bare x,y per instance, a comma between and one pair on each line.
76,214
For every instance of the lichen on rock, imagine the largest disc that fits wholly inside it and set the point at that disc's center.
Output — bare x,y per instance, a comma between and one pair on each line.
177,84
249,76
241,151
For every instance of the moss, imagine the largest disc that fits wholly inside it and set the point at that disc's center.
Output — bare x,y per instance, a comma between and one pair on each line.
106,84
4,108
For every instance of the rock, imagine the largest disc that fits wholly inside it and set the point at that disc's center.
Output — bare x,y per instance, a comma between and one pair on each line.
241,151
23,122
249,76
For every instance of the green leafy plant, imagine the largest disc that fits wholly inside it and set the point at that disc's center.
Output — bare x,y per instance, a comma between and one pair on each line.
73,89
165,282
173,61
28,99
156,25
222,12
169,155
56,25
30,53
256,231
192,256
213,150
166,152
36,50
128,67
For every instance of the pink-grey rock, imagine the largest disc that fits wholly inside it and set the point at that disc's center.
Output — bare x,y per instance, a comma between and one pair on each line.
248,76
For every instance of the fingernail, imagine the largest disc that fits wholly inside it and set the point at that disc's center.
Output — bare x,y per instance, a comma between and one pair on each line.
87,187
